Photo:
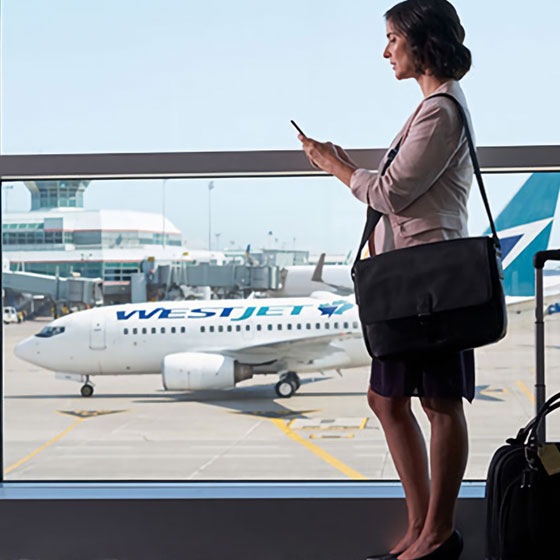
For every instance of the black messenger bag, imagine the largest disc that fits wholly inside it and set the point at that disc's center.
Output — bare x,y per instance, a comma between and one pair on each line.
444,296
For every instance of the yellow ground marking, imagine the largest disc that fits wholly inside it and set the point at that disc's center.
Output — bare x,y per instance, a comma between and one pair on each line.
327,457
44,446
525,389
82,415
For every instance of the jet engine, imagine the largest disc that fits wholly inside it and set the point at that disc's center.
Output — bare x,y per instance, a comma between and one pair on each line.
191,371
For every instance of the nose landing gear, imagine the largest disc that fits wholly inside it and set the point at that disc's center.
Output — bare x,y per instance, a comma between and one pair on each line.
87,388
289,383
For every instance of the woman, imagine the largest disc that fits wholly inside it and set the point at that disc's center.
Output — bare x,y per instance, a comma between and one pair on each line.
423,196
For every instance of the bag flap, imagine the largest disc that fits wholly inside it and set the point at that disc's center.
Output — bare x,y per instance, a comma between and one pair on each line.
424,279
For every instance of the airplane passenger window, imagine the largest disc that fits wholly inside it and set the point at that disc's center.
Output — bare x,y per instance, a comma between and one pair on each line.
173,330
211,329
202,329
279,327
183,329
336,325
355,324
247,327
345,325
125,331
144,331
327,326
299,326
308,326
229,329
289,326
134,331
154,330
259,327
317,325
220,329
269,327
162,330
237,328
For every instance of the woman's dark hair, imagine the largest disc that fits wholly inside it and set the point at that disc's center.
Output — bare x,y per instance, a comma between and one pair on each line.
435,36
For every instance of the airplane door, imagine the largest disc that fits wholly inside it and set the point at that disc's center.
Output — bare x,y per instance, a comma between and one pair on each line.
97,334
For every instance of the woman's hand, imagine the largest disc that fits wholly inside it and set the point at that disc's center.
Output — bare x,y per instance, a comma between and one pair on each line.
329,158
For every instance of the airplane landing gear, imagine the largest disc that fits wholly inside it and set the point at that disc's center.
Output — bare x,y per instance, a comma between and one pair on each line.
289,383
87,388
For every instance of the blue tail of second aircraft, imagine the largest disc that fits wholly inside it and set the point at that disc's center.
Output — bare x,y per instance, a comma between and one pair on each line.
524,227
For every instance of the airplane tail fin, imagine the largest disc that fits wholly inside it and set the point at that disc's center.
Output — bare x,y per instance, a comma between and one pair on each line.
524,227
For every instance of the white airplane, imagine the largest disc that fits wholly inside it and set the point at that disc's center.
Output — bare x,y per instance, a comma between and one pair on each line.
215,344
204,345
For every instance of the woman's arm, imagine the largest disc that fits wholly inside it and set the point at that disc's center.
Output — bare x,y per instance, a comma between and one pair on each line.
432,140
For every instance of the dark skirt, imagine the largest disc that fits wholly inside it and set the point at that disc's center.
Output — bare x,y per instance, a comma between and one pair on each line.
445,375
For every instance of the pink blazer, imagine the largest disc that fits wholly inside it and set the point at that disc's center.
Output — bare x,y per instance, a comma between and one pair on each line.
423,195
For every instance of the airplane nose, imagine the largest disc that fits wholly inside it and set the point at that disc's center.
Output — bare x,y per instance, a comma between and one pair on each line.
25,349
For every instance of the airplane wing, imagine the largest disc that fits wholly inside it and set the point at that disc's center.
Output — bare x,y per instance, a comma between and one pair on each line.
299,349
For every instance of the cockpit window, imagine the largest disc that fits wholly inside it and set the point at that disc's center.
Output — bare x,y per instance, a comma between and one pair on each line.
50,331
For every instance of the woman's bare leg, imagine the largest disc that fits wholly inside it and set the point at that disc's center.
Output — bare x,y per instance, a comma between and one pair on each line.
408,450
448,458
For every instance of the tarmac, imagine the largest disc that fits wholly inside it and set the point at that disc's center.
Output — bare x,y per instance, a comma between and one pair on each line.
131,429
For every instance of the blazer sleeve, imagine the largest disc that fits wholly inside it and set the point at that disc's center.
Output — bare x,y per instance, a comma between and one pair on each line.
432,140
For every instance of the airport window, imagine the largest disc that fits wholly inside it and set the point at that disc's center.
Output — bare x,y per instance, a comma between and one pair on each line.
125,331
220,329
134,331
270,327
211,329
162,330
229,329
183,330
173,330
202,329
144,331
154,330
237,328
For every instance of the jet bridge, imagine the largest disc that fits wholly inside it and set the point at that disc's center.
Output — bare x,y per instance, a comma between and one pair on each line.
61,290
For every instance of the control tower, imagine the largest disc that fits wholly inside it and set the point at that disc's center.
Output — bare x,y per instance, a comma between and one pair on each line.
46,195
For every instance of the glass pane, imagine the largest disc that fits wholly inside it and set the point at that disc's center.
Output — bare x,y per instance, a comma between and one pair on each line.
182,76
227,418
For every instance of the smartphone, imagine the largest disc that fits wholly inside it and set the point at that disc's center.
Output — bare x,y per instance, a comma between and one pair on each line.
298,129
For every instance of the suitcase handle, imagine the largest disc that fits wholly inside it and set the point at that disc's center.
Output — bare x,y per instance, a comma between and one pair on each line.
533,425
541,257
548,407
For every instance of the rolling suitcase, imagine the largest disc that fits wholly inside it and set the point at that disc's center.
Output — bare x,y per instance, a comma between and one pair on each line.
523,484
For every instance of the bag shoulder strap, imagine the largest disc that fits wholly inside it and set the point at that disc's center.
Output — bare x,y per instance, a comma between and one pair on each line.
373,216
476,166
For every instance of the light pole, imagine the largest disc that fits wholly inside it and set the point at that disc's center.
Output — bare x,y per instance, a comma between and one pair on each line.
163,211
210,187
217,241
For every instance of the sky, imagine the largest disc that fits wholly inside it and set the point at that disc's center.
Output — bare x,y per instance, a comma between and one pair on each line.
139,76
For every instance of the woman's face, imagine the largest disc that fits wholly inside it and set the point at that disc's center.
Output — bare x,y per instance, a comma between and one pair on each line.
399,55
